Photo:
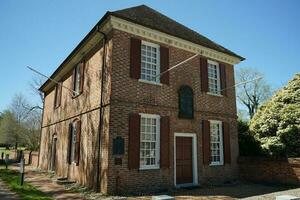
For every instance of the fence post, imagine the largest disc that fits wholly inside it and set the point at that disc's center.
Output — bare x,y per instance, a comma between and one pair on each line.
22,170
6,160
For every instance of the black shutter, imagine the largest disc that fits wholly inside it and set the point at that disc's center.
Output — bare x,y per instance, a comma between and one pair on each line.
78,138
134,141
206,142
164,64
226,143
135,58
69,143
204,74
223,79
164,142
81,70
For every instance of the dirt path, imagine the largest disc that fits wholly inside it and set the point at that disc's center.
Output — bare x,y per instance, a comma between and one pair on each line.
6,194
43,183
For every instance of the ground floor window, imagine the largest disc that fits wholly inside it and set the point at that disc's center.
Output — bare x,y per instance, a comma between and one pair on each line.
74,142
149,141
216,143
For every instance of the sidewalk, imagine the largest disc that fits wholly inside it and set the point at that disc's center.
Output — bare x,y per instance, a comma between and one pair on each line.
43,182
6,194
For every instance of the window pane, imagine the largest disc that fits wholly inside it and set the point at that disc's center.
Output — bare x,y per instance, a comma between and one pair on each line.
213,78
149,63
148,141
216,142
185,102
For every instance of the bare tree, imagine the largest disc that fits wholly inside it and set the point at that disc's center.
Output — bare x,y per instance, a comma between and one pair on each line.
252,94
32,124
34,85
19,107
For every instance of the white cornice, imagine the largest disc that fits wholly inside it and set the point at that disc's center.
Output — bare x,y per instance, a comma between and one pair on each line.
161,37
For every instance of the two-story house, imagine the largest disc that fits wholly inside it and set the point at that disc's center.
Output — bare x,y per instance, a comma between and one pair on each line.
113,123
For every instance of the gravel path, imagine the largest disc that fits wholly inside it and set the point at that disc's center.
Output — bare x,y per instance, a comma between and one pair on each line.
272,196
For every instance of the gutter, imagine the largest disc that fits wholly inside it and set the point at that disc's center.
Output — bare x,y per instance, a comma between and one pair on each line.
41,131
101,109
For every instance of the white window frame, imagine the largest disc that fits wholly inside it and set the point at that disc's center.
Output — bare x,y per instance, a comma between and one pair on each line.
157,149
218,78
211,122
157,81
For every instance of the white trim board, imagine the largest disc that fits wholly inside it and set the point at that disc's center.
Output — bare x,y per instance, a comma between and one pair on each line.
195,167
154,35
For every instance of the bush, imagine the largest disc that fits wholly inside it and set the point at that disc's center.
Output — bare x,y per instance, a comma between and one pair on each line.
277,122
248,145
273,146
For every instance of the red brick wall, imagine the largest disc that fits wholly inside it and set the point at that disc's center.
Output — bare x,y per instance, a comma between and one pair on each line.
270,170
129,95
85,107
31,158
34,159
125,95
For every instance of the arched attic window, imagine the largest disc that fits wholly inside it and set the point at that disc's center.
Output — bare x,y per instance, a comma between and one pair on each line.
186,103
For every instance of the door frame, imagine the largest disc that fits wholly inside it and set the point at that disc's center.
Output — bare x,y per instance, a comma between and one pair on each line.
194,157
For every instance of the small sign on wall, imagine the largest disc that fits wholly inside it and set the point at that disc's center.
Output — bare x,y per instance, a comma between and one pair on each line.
118,146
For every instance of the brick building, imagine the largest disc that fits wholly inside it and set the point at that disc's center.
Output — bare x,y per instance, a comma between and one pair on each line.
113,124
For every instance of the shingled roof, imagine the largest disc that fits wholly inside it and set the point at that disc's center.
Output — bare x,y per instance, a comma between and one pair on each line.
149,17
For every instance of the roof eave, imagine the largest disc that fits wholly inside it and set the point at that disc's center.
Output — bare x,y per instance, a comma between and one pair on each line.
130,20
74,51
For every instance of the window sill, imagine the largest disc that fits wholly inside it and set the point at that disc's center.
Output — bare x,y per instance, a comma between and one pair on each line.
56,107
216,164
75,96
150,82
182,116
149,168
74,163
213,94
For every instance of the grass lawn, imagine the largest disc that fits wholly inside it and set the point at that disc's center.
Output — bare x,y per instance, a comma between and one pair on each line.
27,191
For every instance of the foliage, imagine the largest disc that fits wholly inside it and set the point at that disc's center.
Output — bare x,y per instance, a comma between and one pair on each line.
277,122
10,129
27,191
254,91
20,124
248,145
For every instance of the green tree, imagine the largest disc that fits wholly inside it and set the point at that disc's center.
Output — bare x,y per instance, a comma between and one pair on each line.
10,129
20,124
248,144
276,124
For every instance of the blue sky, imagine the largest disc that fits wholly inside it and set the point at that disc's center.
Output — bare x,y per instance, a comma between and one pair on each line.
42,33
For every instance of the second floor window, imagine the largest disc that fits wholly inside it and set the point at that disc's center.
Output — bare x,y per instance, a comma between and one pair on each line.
213,77
57,98
78,79
186,107
150,63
